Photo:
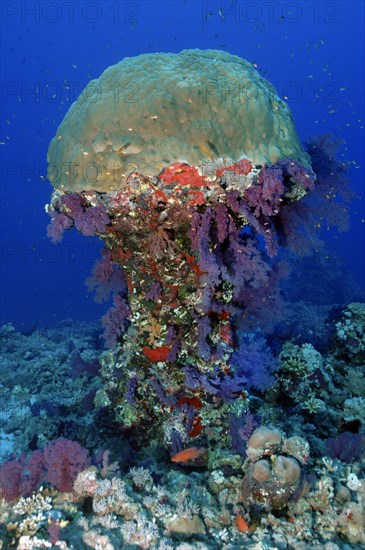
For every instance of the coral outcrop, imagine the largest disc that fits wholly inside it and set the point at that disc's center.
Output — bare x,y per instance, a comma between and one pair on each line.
153,110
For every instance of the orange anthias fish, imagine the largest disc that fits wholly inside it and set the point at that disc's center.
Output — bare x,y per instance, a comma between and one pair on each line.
241,524
187,454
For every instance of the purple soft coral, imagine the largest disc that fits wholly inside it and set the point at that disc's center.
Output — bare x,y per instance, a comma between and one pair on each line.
115,321
254,361
300,223
58,463
265,197
60,222
346,446
93,220
107,278
89,220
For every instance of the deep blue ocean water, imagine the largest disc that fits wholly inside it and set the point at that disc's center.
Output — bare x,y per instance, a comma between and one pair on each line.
313,52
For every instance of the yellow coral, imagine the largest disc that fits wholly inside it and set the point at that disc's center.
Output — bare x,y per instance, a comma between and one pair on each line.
149,111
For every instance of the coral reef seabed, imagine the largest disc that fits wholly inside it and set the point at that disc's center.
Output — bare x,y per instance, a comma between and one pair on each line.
296,479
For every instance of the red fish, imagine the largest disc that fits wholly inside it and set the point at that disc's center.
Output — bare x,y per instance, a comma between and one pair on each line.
187,454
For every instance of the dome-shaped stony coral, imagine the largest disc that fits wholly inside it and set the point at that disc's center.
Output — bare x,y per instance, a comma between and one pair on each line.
153,110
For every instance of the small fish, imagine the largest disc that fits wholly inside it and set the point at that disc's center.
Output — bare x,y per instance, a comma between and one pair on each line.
123,147
213,148
74,66
187,454
205,150
241,524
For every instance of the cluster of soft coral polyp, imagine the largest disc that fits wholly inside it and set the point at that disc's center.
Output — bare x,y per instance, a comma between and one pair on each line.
196,247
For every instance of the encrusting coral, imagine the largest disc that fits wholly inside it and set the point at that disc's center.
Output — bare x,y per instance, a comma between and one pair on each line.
272,477
153,110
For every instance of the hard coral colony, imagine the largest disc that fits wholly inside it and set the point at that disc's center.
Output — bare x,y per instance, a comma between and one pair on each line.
194,197
185,226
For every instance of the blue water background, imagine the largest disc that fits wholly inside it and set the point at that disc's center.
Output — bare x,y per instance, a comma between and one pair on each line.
312,51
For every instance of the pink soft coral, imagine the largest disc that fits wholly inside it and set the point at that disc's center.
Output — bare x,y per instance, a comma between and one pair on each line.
58,463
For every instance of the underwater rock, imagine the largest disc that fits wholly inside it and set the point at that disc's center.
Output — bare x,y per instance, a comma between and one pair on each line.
185,526
272,478
351,523
262,442
272,483
350,332
297,447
